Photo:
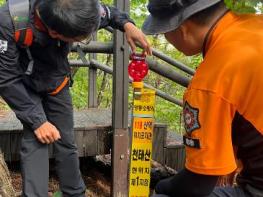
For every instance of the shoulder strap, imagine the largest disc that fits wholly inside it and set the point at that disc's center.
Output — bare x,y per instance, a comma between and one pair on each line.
19,11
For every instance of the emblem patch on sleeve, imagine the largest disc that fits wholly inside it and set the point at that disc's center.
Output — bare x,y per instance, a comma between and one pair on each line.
191,119
3,46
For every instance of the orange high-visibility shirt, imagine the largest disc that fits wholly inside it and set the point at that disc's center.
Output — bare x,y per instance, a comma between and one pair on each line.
227,86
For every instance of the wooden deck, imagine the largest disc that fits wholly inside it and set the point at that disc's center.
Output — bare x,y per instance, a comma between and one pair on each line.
93,135
174,151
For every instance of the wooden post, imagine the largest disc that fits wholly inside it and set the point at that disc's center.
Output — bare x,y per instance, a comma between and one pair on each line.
120,111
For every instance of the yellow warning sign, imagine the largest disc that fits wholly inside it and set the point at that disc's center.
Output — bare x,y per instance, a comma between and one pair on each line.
142,130
140,170
141,150
145,105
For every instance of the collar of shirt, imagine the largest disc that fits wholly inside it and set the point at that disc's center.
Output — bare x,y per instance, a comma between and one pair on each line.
222,24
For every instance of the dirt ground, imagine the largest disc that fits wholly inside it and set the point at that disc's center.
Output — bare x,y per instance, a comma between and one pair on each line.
96,177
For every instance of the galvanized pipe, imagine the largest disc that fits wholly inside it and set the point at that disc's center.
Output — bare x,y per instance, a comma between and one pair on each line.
167,72
109,29
91,63
109,70
94,47
173,62
120,145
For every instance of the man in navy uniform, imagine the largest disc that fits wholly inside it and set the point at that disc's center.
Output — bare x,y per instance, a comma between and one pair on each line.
34,81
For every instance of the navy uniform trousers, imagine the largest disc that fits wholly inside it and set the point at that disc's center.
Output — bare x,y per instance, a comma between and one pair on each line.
35,155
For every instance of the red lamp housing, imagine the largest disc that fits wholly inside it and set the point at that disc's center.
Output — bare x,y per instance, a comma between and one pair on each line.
137,68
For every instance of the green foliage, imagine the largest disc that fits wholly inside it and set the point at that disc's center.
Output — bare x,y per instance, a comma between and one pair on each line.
138,11
79,91
168,113
244,6
57,194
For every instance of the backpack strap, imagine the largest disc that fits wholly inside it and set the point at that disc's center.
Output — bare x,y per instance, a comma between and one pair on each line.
19,11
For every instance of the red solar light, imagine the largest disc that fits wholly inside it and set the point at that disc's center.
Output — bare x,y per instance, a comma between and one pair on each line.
137,68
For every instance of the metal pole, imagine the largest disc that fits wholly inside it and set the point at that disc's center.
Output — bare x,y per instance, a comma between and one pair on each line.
120,111
173,62
92,85
168,72
94,47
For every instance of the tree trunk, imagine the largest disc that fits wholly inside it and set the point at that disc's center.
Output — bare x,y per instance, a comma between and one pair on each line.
6,188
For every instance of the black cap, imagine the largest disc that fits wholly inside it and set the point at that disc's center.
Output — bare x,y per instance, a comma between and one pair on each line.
167,15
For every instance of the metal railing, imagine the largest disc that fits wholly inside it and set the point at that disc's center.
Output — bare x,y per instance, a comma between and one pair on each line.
163,70
95,64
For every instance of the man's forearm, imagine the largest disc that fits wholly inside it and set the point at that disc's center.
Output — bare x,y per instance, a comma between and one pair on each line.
28,109
113,17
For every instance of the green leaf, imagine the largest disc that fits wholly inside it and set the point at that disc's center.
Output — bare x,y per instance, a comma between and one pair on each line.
57,194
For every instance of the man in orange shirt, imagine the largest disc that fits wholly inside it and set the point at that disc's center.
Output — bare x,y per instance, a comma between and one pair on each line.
35,40
223,103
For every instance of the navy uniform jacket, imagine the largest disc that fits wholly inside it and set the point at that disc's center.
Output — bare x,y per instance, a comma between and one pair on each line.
50,64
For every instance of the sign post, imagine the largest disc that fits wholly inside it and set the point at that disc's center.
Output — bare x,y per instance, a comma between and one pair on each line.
142,135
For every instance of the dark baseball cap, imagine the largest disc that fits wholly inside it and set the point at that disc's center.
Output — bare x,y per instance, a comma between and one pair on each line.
167,15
